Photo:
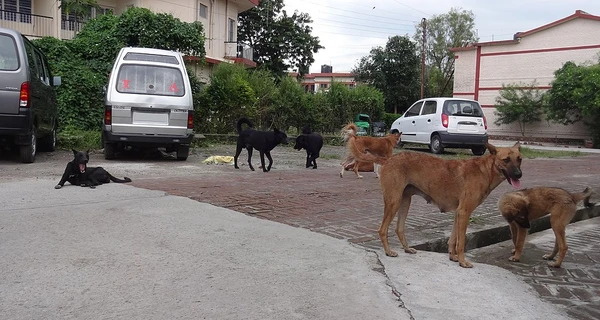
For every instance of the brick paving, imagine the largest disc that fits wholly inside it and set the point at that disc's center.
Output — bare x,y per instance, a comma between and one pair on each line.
351,208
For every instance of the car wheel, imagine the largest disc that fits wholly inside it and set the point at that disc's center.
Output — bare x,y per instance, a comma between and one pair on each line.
183,152
478,151
48,143
28,152
109,151
436,145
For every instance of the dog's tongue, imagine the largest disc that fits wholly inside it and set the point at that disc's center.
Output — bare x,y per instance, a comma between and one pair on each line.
516,183
81,168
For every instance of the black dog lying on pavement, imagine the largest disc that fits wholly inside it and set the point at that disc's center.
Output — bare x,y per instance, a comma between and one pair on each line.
78,173
312,142
263,141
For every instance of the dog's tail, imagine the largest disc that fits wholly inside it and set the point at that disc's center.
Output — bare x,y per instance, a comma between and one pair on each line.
306,130
242,121
117,180
349,130
363,154
585,196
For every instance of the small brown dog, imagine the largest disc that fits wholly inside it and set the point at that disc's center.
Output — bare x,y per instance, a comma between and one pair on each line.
521,207
380,147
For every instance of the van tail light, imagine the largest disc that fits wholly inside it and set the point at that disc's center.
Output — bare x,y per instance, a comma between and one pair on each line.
445,120
24,95
485,122
108,115
190,121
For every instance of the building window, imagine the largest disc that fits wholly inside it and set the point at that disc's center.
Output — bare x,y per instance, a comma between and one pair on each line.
231,31
202,11
16,10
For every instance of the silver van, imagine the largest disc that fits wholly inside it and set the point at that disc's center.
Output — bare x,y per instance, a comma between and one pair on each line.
148,103
28,105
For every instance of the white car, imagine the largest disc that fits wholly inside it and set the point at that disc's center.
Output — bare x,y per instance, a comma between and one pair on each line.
444,123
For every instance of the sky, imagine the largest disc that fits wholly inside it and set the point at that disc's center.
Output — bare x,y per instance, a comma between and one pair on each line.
349,29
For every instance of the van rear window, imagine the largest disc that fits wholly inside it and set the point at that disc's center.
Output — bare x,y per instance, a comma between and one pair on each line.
9,59
151,80
136,56
462,108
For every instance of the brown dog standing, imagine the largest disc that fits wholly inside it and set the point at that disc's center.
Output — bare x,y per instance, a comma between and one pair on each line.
452,185
521,207
380,147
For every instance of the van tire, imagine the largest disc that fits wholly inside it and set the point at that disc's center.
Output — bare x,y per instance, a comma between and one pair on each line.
436,145
29,151
109,151
48,143
183,152
478,151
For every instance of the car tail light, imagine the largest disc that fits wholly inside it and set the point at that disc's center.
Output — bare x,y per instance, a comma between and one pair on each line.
190,122
445,120
485,122
24,95
108,115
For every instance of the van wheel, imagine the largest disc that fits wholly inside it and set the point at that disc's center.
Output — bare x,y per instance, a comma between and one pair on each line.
48,143
183,152
436,145
28,152
109,151
478,151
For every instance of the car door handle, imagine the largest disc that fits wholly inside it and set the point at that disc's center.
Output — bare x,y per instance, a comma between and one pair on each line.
413,122
429,120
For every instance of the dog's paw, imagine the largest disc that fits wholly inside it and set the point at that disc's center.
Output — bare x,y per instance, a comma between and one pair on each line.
92,187
554,264
314,167
391,253
513,259
410,250
58,186
465,264
548,257
453,257
513,251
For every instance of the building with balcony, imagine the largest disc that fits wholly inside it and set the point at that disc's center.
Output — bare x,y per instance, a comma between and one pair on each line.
39,18
320,82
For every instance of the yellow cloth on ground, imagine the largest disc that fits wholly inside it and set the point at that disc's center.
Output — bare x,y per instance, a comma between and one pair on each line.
218,159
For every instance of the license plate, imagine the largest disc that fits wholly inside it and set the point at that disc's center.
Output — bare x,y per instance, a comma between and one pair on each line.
153,118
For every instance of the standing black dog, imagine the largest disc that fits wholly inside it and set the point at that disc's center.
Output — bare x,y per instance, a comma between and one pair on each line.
78,173
263,141
312,142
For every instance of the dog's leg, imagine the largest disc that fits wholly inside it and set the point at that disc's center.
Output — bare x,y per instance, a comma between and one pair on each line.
307,159
551,255
238,150
376,169
559,219
452,242
561,240
401,224
64,177
462,221
391,203
262,159
513,235
349,160
519,242
250,158
356,165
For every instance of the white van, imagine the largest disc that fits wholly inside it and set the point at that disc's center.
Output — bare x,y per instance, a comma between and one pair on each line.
148,103
444,122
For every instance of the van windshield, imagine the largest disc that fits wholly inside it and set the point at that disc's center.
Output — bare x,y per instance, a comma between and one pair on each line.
9,60
462,108
151,80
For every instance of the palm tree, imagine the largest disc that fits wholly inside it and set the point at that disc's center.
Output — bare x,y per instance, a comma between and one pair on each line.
81,9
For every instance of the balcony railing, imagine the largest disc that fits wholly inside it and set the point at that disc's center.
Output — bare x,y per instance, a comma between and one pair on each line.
31,25
239,50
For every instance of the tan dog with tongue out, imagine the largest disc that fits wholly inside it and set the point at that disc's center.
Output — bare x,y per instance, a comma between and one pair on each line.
452,185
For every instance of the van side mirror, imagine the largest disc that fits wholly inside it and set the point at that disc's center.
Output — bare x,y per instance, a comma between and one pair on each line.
57,80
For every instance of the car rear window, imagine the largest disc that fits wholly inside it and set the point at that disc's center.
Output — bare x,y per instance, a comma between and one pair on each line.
151,80
9,59
135,56
462,108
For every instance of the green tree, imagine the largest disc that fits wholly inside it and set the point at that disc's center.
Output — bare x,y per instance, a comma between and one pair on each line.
443,32
519,103
227,98
575,96
394,70
280,42
81,9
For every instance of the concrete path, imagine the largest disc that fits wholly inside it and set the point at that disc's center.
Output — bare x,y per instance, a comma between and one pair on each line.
119,252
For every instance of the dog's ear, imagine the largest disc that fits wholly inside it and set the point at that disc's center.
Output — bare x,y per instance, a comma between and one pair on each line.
517,145
275,130
87,152
74,152
491,148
